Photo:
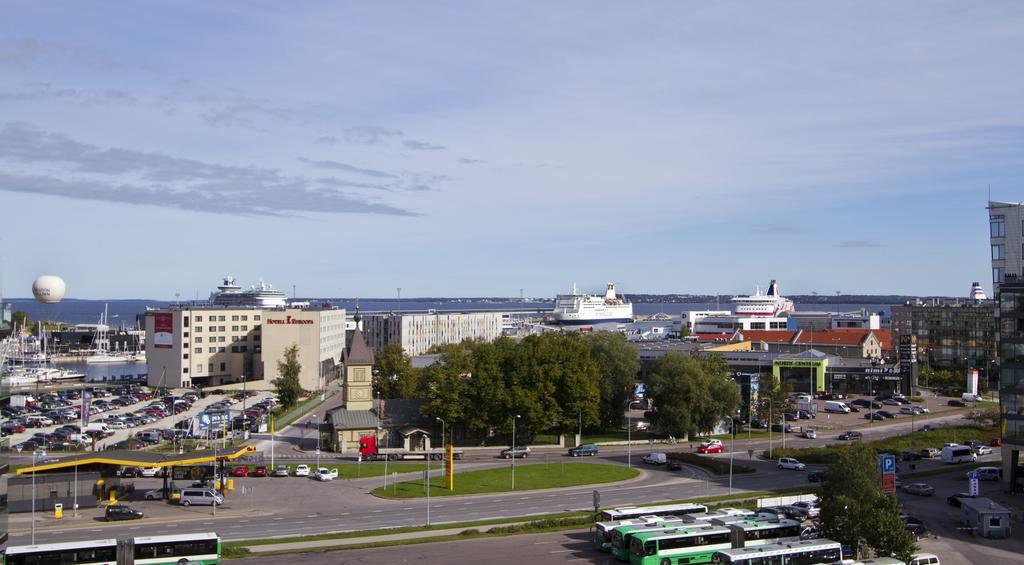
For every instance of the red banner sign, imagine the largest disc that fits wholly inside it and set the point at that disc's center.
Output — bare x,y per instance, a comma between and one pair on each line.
163,330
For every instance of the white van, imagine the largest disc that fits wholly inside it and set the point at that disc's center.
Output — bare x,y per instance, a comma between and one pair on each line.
97,427
655,459
925,559
803,398
836,407
958,454
968,397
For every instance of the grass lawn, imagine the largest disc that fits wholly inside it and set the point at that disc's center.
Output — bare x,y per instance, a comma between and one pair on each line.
528,477
936,438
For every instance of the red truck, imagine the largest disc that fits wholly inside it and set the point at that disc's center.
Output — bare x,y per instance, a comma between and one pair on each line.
369,451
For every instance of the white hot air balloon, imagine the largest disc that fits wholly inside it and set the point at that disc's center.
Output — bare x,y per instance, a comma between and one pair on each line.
49,289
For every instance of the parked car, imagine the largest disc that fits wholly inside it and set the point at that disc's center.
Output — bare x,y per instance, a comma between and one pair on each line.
804,415
325,474
920,489
892,402
281,471
240,471
155,494
850,436
791,463
780,428
816,476
519,452
805,509
655,459
886,414
957,403
302,470
790,417
954,499
931,453
996,442
150,471
874,416
983,450
260,471
909,456
200,496
585,449
121,512
674,465
987,473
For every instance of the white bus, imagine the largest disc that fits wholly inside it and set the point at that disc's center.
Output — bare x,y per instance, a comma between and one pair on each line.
97,552
807,552
720,514
168,550
627,512
958,454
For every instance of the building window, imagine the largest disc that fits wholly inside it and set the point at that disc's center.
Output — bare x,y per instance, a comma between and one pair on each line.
245,318
221,349
184,369
234,349
245,328
185,334
199,318
234,338
257,318
199,329
221,339
234,328
234,318
998,229
199,367
185,322
198,339
998,252
223,367
222,328
997,274
211,350
209,367
199,350
184,355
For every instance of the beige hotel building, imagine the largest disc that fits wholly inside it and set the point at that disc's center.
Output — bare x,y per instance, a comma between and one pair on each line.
211,346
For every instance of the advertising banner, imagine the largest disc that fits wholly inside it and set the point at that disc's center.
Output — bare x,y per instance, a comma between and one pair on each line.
163,330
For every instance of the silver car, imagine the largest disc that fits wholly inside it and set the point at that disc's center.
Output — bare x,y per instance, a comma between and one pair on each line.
200,496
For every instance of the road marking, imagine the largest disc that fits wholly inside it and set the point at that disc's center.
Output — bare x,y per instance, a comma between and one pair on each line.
375,511
542,542
562,551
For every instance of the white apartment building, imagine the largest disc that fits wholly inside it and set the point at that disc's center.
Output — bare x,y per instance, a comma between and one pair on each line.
417,332
204,346
1006,232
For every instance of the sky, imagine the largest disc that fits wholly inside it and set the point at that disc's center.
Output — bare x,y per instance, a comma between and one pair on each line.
476,149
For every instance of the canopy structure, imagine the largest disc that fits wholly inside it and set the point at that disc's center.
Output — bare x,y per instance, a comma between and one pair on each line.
129,458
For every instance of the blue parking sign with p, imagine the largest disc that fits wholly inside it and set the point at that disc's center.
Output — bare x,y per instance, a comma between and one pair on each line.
887,463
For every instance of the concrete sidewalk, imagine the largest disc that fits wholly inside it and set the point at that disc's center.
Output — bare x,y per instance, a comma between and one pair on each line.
342,542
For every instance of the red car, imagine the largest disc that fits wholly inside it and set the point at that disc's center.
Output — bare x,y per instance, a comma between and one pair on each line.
260,471
996,442
240,471
711,448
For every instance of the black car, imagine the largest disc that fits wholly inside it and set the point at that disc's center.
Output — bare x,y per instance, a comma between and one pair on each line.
674,465
954,499
850,436
779,428
760,424
910,456
861,402
816,476
804,415
957,403
886,414
121,512
790,417
873,416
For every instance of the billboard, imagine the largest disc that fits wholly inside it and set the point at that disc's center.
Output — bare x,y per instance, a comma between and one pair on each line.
163,330
211,421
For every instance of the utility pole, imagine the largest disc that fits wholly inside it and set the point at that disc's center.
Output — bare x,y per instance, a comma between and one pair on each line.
513,452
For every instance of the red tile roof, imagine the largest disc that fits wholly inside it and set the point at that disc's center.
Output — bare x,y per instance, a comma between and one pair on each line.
768,336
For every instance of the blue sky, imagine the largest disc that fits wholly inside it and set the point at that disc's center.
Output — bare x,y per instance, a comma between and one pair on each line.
452,148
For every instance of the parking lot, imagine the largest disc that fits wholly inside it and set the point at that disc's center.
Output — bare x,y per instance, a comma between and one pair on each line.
131,414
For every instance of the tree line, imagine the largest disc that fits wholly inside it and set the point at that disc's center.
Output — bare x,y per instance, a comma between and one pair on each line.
558,382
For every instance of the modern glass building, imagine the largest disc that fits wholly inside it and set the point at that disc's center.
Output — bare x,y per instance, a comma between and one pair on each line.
1011,377
950,335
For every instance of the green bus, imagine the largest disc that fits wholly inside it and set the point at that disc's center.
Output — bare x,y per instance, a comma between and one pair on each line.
621,536
603,530
690,544
687,544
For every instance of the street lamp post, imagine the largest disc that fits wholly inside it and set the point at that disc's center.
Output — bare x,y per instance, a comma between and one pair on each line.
513,452
770,427
732,450
629,440
442,437
317,422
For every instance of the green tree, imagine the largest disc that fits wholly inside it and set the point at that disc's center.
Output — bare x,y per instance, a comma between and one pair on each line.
774,399
20,319
286,385
392,371
691,395
618,363
856,512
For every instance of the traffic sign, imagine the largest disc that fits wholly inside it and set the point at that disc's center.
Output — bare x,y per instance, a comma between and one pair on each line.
887,464
973,487
889,483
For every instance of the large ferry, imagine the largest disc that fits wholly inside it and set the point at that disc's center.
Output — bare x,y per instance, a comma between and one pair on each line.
768,304
579,309
260,295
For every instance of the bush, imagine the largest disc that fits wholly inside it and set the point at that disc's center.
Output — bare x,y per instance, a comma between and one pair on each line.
714,465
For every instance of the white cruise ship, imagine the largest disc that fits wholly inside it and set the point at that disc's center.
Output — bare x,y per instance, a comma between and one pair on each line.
580,309
260,295
768,304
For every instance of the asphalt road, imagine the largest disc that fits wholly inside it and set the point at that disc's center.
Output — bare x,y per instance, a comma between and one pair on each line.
306,507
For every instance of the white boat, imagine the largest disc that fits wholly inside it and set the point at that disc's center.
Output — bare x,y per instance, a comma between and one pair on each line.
580,309
260,295
101,352
769,303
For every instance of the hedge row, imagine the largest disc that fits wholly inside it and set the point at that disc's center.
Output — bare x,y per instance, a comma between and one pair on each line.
716,466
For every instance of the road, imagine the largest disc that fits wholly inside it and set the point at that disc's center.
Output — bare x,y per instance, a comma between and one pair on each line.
308,507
